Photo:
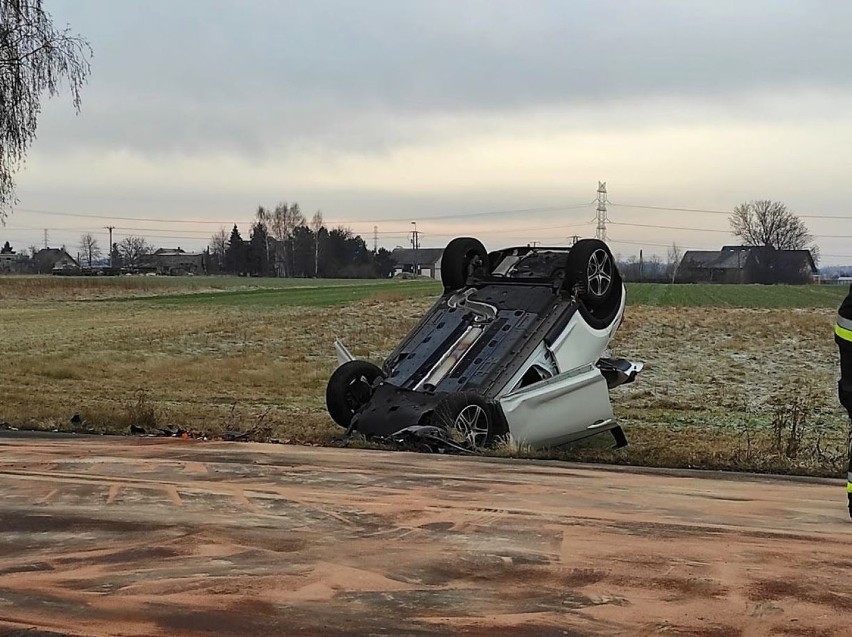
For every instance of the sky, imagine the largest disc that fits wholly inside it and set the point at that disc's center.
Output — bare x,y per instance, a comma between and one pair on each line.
486,118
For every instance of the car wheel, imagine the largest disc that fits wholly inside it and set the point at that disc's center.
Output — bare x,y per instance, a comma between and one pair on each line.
590,271
462,257
349,389
468,418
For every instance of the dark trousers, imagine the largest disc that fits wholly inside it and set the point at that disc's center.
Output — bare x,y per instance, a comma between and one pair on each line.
844,393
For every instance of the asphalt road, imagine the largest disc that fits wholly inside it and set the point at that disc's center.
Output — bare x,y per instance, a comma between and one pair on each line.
112,536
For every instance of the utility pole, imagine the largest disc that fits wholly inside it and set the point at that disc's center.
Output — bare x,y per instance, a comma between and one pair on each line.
375,239
111,228
415,243
45,238
602,218
533,244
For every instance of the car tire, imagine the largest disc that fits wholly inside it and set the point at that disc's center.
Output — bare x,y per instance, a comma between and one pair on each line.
349,389
468,418
462,257
590,272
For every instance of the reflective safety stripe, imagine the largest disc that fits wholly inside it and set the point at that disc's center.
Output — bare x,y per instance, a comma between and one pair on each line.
845,323
843,333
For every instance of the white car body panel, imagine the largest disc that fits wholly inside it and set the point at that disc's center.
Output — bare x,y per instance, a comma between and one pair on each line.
569,406
574,402
580,343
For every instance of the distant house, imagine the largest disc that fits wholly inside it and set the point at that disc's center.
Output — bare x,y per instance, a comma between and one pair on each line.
746,264
427,261
177,262
11,262
55,261
14,263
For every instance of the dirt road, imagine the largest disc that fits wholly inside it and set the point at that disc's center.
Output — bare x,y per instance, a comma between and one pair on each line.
110,536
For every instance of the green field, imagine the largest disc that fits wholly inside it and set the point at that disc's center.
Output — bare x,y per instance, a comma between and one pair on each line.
47,288
312,292
221,354
748,296
651,294
298,295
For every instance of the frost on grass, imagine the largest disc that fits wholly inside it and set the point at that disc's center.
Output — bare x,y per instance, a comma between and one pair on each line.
722,388
718,381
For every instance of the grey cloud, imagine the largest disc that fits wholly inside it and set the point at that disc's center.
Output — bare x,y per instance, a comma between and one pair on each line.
201,75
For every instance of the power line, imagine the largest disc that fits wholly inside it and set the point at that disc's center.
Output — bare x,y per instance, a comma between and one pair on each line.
117,217
202,234
651,243
437,217
526,232
649,225
466,215
157,236
666,245
718,212
628,205
331,222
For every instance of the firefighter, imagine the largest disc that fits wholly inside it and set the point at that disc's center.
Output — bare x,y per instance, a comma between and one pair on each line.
843,337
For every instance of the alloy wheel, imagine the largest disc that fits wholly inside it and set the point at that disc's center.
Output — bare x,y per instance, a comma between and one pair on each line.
472,423
599,273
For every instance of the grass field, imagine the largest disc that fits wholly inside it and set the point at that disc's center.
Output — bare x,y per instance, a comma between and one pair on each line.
47,288
747,385
739,296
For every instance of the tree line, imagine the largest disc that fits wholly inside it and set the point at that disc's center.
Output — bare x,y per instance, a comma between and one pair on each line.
280,243
283,243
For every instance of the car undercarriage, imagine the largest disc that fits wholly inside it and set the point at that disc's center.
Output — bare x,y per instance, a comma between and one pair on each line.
514,349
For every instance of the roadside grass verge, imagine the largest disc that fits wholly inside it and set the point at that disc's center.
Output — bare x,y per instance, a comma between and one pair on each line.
727,367
734,442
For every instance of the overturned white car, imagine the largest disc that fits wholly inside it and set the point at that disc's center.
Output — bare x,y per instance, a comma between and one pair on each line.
514,347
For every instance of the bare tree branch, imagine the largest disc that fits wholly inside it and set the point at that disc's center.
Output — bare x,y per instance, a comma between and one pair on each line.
35,58
218,246
316,226
770,224
133,250
89,248
675,255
